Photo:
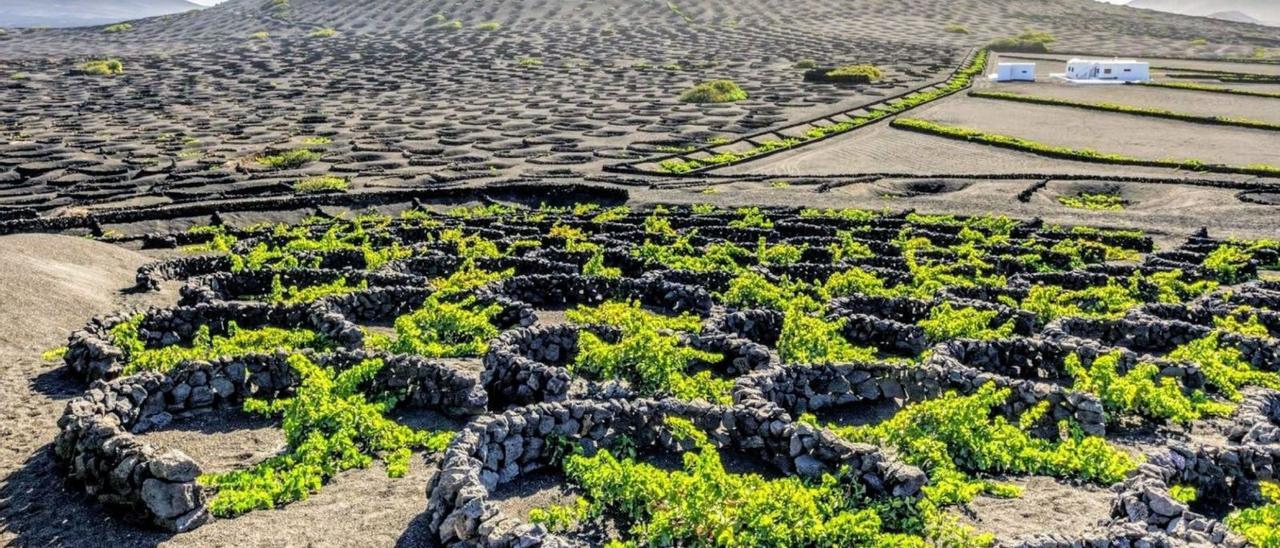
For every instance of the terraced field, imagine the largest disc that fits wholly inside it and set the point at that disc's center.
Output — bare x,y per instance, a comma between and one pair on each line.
775,344
545,273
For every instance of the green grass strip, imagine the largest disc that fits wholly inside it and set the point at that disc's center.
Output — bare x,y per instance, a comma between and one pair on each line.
1084,155
1211,89
958,81
1128,109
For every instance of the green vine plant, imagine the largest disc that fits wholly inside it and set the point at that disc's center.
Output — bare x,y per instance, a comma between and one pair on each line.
947,323
329,427
1141,391
281,294
138,357
1260,525
1224,367
649,355
954,437
702,504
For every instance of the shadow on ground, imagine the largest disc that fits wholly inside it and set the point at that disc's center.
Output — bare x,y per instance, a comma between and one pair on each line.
39,509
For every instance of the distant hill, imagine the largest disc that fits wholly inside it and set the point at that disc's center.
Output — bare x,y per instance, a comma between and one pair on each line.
1235,16
1266,12
83,13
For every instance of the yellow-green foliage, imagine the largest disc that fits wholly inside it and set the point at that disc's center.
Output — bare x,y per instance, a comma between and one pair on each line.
295,295
715,91
1260,525
1185,494
327,32
103,67
321,184
205,346
329,426
1028,41
947,323
811,340
1139,391
869,72
489,26
1224,367
1228,262
1095,202
649,354
751,217
953,436
118,28
446,330
702,504
289,159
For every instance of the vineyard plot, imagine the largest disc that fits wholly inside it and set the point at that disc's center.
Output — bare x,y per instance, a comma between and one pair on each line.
696,375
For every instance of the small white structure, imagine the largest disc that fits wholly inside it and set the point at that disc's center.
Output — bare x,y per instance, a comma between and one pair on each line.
1015,72
1106,71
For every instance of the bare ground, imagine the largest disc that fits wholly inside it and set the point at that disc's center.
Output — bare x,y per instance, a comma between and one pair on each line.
1143,138
1072,509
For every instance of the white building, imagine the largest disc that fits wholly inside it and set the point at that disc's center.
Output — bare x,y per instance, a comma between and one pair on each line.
1015,72
1114,70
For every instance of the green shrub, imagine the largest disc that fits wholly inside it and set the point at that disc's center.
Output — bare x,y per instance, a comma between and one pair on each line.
947,323
751,217
260,35
1260,525
295,295
951,435
1224,367
702,504
103,67
327,32
118,28
856,73
1028,42
810,340
452,25
446,330
1094,202
1139,391
489,26
329,427
806,64
1228,263
530,62
326,183
289,159
1185,494
649,354
715,91
955,28
206,347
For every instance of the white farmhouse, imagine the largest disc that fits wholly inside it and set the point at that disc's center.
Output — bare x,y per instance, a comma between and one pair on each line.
1114,70
1015,72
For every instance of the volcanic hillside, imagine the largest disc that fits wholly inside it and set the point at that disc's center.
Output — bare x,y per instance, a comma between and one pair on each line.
407,93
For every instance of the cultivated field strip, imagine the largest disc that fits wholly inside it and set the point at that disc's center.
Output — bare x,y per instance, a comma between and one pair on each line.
589,340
